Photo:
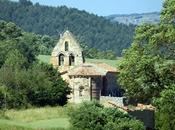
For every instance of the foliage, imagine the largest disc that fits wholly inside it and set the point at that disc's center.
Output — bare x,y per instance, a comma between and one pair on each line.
45,118
12,37
167,14
15,60
39,86
147,66
98,54
93,116
90,29
27,82
51,91
165,109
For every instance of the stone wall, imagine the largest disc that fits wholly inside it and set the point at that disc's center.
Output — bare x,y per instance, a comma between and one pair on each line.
77,83
117,100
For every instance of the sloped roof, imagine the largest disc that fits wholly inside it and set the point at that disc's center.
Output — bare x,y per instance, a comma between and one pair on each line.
107,67
86,70
89,69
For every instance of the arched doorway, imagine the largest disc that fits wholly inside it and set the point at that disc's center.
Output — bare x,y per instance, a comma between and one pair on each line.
61,59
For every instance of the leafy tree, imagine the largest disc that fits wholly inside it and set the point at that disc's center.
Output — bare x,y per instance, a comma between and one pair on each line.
165,109
146,68
93,116
167,14
39,85
12,38
46,86
16,60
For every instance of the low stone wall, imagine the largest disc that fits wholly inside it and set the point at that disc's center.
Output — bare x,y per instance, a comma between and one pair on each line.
117,100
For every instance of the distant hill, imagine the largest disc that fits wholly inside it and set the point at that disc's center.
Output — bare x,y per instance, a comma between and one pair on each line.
90,29
136,19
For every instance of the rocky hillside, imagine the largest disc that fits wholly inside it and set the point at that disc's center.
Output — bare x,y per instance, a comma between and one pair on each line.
136,19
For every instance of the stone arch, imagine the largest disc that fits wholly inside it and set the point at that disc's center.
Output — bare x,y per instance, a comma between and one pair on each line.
66,46
71,60
61,59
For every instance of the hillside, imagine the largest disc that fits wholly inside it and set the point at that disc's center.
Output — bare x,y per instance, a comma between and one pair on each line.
136,19
90,29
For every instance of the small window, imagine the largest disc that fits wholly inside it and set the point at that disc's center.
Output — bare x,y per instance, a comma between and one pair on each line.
81,88
66,46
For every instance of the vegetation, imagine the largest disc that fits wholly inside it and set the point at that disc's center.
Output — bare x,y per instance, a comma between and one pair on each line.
148,66
45,118
165,116
93,116
24,81
91,30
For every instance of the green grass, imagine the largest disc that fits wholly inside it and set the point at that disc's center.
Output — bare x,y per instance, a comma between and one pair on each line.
114,63
47,118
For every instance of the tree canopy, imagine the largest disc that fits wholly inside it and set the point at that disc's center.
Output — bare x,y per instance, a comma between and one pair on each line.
147,66
90,29
23,80
147,70
94,116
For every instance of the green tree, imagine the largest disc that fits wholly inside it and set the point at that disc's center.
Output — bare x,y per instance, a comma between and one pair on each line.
167,14
46,87
94,116
13,37
146,68
165,109
16,60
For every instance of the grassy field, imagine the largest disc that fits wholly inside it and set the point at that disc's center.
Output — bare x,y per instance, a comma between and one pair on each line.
114,63
47,118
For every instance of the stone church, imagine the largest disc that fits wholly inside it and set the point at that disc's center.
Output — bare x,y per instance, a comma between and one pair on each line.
88,80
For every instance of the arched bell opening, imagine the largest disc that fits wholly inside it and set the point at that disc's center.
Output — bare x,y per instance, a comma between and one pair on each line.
61,60
71,60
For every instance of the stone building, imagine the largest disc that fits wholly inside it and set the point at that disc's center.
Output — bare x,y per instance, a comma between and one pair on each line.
88,80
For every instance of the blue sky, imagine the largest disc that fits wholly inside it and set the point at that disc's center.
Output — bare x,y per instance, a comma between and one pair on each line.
108,7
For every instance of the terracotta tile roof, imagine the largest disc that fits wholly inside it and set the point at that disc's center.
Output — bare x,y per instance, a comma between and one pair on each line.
107,67
86,70
135,108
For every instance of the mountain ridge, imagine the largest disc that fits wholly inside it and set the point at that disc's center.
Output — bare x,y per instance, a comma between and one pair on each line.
135,18
92,30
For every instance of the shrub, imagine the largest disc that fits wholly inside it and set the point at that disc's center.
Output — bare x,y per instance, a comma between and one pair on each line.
93,116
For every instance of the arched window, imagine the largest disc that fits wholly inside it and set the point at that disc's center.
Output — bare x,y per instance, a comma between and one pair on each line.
61,59
81,88
71,60
66,46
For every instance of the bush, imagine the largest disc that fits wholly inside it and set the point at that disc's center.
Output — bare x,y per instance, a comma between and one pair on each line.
93,116
165,109
39,85
46,86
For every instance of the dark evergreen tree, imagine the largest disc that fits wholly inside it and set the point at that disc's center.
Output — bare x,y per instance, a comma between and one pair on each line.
90,29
